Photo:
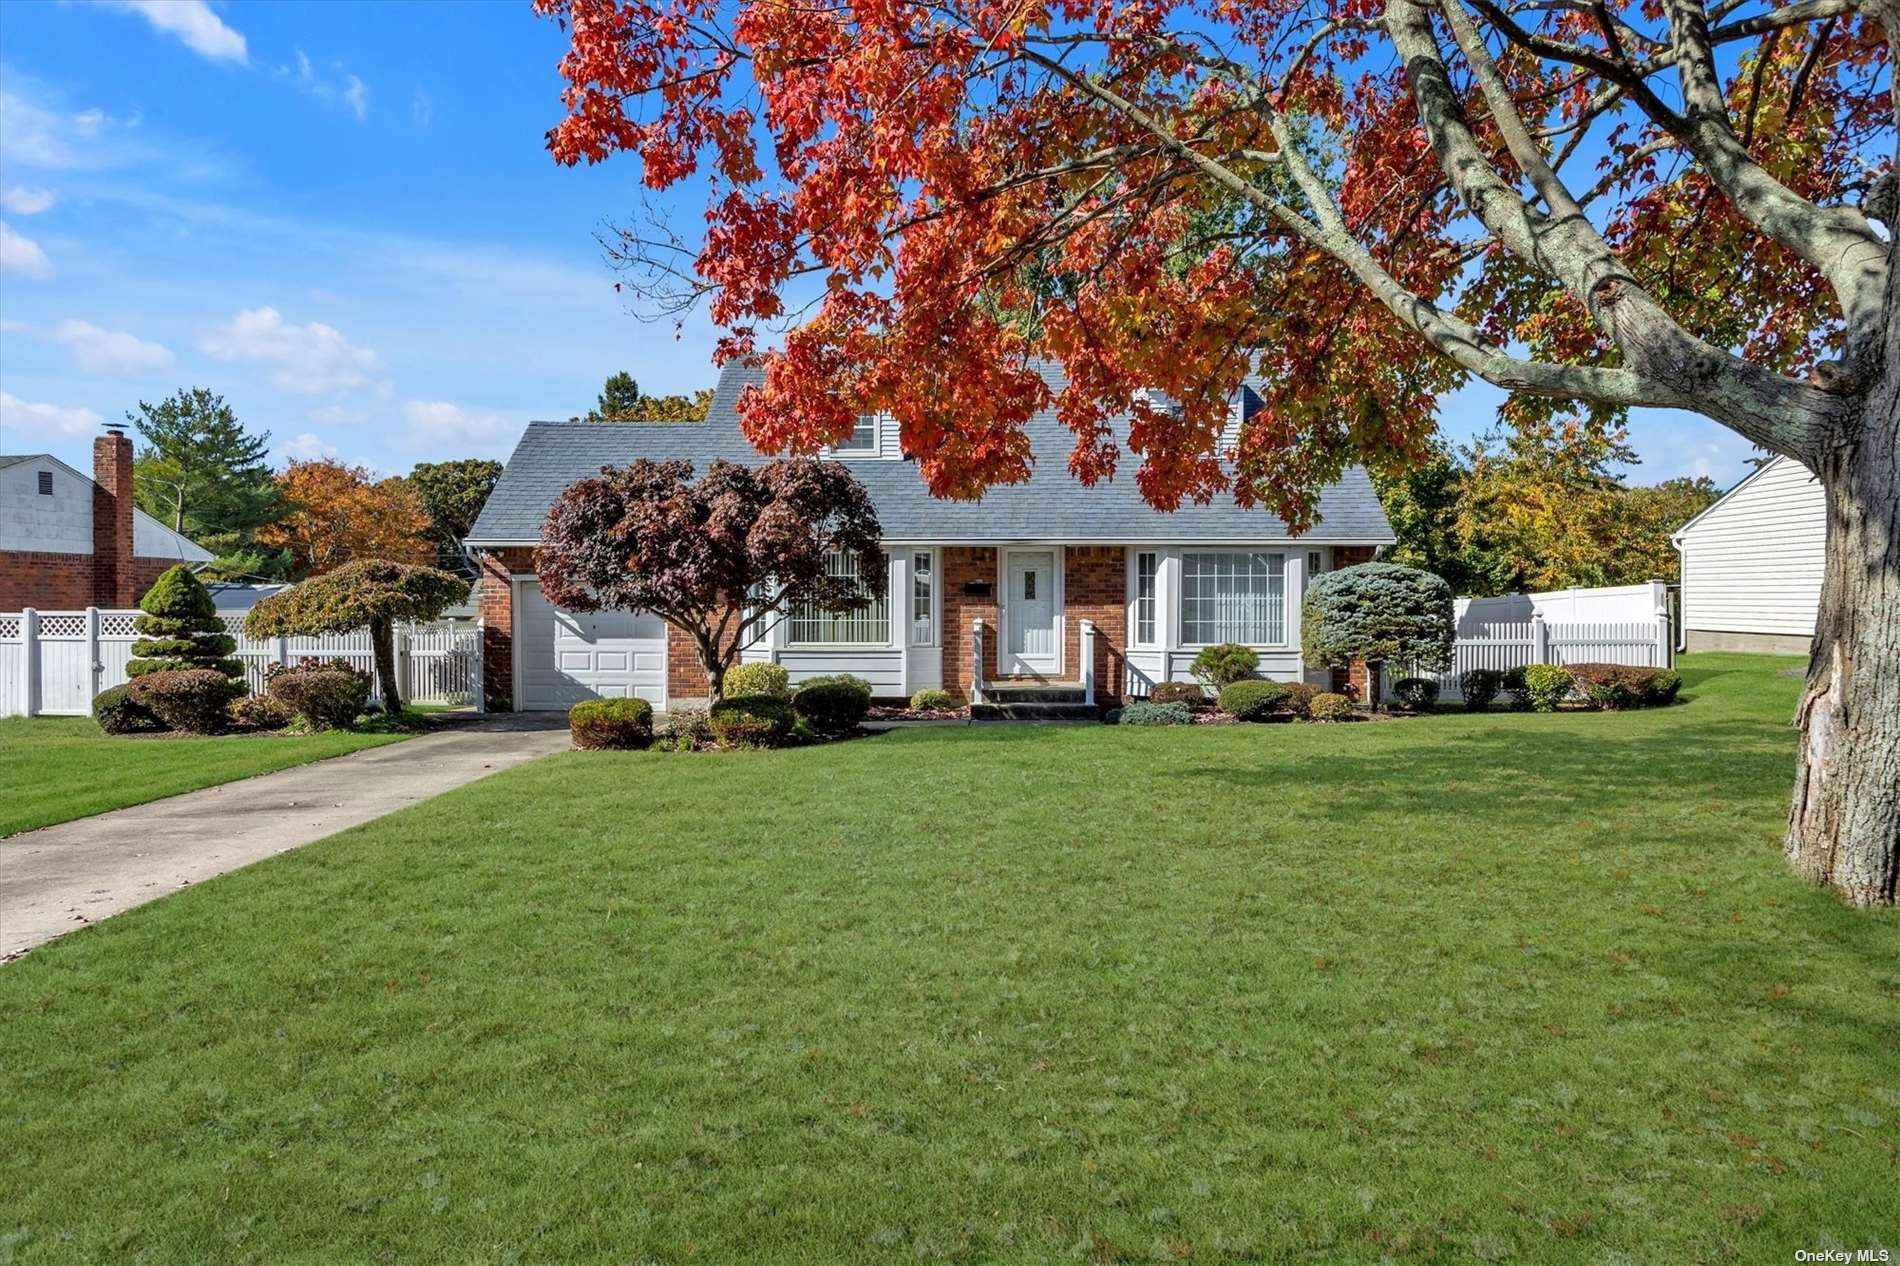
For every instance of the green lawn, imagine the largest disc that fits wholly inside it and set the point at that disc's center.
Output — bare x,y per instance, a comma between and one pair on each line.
54,769
1505,987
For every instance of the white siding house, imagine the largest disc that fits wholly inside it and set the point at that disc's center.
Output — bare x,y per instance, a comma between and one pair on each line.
1752,564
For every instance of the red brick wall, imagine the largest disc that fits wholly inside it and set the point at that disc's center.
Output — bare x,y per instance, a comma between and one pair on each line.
1351,681
1352,555
495,600
960,613
67,582
1095,587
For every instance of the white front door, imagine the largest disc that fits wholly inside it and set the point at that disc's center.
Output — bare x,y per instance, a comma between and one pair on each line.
1032,614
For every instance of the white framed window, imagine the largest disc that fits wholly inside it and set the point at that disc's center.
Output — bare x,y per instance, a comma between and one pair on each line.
923,598
867,626
1147,579
863,438
1233,596
1315,562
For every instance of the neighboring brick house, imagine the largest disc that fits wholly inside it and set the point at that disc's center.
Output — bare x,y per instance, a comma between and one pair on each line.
1031,561
68,542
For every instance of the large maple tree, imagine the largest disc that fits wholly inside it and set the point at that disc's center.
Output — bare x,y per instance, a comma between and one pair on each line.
1592,204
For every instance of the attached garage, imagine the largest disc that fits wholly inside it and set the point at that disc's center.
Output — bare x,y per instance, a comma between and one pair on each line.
563,657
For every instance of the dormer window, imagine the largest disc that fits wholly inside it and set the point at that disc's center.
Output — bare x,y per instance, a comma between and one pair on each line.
863,437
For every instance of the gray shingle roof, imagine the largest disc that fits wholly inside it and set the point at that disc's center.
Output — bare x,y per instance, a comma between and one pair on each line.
1051,505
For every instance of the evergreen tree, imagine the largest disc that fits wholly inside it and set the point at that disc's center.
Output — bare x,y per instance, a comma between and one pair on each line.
179,628
618,399
206,476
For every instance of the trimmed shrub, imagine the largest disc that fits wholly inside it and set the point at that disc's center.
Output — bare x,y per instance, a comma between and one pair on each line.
1299,699
833,705
1514,686
759,679
1328,706
837,679
1193,694
1617,686
323,694
752,720
1221,666
1378,612
1546,686
685,729
932,700
191,699
1142,712
259,712
1416,694
1479,687
116,713
179,630
610,724
1253,700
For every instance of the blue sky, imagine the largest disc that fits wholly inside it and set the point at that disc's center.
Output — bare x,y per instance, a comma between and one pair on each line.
341,217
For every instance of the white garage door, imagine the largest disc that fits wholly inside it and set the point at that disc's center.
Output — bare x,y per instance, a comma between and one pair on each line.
567,657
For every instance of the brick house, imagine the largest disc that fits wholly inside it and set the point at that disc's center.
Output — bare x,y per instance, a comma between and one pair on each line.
68,542
1032,562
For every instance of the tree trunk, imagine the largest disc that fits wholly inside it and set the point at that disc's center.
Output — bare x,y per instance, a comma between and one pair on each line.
1844,826
714,666
382,640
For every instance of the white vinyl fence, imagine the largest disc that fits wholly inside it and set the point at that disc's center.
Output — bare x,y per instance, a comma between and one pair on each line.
1503,646
52,663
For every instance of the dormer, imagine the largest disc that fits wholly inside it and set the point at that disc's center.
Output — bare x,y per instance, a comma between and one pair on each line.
875,439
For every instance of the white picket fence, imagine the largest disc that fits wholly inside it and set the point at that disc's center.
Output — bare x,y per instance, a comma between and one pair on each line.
52,663
1504,646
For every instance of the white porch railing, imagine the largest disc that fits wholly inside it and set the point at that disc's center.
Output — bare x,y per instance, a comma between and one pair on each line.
53,663
976,661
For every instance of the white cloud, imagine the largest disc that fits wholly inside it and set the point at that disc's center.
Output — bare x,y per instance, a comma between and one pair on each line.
305,448
311,359
338,415
422,109
21,254
24,417
346,88
193,22
25,199
111,351
441,420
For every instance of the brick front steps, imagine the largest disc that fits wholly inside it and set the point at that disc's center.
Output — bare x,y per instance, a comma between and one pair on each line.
1038,701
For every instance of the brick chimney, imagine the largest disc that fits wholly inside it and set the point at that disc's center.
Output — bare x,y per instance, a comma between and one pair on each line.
114,579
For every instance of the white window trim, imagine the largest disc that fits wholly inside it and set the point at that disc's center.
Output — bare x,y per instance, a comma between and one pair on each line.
874,449
1288,628
1134,601
934,636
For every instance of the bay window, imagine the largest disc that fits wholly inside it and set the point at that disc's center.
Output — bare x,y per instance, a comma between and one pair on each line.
1233,596
867,626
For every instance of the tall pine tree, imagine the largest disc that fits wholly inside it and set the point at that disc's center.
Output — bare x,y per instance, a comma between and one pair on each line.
206,476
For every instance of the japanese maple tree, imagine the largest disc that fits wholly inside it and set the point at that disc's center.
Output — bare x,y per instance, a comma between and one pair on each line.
1593,204
721,557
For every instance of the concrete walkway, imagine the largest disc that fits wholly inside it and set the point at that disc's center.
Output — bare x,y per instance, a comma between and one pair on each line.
63,877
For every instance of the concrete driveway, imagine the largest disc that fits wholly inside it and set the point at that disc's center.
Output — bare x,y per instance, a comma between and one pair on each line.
63,877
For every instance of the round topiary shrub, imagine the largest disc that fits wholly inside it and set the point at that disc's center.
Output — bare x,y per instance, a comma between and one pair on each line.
1222,665
116,713
1299,699
833,705
1380,613
179,630
759,679
1513,682
259,712
1416,694
1547,685
323,694
750,721
1142,712
610,724
192,699
931,699
1328,706
1253,700
1192,693
1480,686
